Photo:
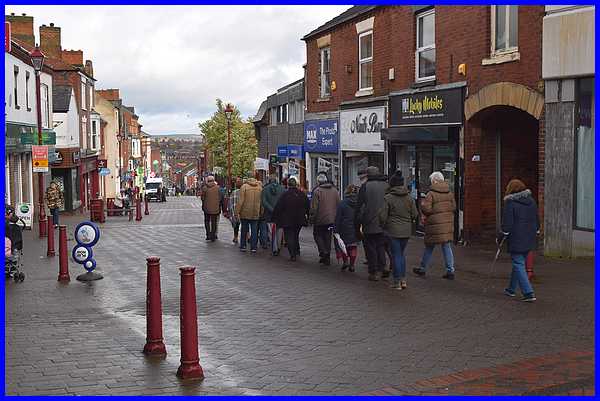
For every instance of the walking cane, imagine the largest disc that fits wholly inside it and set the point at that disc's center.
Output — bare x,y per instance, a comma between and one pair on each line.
493,265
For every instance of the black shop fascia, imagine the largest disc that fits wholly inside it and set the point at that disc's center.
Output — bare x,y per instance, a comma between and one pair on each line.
425,135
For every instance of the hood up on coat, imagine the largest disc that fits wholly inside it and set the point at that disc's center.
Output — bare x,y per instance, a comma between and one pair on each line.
252,182
441,187
399,191
523,197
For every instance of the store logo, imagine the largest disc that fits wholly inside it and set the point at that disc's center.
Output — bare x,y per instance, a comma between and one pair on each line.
24,208
311,134
363,124
426,104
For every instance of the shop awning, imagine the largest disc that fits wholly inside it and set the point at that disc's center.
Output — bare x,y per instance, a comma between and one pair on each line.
416,134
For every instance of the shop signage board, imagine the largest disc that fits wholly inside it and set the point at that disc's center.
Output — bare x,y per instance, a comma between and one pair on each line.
31,137
104,172
282,151
101,163
261,164
39,158
321,136
25,212
427,108
360,129
295,151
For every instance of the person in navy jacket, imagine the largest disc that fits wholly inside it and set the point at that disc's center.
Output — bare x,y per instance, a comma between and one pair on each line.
520,226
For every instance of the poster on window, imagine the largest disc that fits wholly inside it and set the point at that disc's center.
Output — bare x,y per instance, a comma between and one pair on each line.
360,129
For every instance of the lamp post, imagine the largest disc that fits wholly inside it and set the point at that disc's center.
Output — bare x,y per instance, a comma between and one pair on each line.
119,139
37,59
228,114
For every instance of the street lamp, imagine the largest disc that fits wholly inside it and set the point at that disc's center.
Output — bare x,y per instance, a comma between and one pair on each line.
228,113
119,139
37,59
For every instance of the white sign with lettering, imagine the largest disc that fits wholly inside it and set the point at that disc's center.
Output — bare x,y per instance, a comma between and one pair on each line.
360,129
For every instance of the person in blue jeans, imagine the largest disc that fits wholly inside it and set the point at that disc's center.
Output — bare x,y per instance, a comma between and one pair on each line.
396,217
520,226
252,226
438,209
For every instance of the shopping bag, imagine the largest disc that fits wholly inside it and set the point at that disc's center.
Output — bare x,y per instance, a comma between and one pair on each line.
340,243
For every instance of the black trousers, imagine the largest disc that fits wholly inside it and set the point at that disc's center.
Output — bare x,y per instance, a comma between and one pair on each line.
292,238
375,247
322,235
210,223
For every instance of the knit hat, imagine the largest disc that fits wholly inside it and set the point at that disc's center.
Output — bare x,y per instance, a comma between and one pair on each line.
372,171
397,180
515,185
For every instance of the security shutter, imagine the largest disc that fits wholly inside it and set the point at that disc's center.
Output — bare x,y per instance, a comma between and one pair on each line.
25,177
15,187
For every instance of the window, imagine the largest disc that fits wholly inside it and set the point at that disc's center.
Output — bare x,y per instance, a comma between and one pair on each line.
504,29
273,116
584,155
299,106
84,129
91,96
94,135
83,93
16,94
425,55
282,113
325,81
365,60
292,111
27,104
45,106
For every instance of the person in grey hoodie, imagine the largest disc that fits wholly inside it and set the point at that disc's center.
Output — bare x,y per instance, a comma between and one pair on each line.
396,217
324,203
370,202
269,197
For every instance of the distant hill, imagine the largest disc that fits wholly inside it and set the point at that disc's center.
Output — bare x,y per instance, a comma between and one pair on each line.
177,137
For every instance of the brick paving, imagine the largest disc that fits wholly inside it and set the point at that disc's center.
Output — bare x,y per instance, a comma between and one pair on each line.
269,326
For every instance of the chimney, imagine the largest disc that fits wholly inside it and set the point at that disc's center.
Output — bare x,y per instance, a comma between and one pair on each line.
109,94
50,41
21,28
73,57
89,68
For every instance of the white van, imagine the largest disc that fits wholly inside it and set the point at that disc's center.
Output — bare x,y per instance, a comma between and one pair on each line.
152,186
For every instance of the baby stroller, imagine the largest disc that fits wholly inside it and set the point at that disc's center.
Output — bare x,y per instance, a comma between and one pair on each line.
13,232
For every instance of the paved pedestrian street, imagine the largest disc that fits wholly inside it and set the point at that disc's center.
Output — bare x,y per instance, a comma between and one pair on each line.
270,326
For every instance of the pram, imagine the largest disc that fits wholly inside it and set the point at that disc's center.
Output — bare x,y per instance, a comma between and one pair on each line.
13,230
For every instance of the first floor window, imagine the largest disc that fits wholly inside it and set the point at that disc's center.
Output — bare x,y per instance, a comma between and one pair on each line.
94,135
365,60
425,55
45,100
16,87
325,74
27,104
504,28
585,158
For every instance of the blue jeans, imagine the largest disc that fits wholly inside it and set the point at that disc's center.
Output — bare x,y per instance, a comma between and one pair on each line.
54,213
263,233
446,251
398,246
251,225
519,275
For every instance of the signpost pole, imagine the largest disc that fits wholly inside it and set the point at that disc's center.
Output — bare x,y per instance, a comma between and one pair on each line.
42,216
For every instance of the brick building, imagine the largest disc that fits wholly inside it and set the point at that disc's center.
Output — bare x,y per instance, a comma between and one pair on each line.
456,89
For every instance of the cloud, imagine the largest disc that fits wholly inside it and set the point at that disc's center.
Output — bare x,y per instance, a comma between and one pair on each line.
172,62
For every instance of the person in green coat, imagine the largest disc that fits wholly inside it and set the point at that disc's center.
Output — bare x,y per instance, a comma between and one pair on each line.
396,217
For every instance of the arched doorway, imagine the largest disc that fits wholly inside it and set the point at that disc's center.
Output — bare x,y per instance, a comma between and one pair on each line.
505,118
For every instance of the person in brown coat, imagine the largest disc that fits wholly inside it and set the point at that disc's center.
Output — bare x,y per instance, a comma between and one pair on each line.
438,209
211,205
248,211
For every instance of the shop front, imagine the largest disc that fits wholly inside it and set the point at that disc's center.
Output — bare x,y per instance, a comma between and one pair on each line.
361,145
65,172
425,136
321,144
290,163
89,180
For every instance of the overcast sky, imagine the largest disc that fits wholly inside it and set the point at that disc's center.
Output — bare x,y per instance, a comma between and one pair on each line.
172,62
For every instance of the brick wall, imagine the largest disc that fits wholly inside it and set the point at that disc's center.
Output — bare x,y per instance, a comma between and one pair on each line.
50,41
21,28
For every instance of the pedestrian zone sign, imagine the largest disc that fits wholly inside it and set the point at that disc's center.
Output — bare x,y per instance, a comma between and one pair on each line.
39,155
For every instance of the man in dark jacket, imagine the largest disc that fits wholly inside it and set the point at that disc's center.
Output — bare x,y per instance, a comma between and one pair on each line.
520,225
324,203
290,213
269,197
370,202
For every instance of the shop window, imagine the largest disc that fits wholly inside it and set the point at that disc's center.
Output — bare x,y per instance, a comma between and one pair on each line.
16,87
584,156
365,60
325,72
425,54
504,29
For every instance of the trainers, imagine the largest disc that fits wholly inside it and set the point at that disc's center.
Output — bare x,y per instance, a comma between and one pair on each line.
403,284
395,285
373,277
529,298
253,251
418,271
448,276
509,293
242,249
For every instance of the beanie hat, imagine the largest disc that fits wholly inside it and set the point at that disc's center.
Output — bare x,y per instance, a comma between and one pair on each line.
372,171
397,180
322,178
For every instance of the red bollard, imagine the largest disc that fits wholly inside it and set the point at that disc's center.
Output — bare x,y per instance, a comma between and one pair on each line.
188,321
529,264
146,212
50,239
43,226
63,257
138,209
154,337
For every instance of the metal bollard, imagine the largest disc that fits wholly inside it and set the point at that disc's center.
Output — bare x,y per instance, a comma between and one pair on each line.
188,321
154,335
50,239
63,256
146,212
138,209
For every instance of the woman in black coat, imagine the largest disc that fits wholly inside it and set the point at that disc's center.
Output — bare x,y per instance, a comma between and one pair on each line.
520,226
291,213
345,227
